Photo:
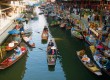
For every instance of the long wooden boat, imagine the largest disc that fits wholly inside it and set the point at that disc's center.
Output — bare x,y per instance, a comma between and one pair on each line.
97,58
51,58
90,66
14,43
24,36
76,34
12,59
44,35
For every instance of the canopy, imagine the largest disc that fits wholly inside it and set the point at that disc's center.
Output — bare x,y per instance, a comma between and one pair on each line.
14,31
20,19
36,4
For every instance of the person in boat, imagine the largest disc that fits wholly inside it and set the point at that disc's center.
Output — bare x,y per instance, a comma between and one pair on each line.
52,51
85,58
23,49
18,50
82,52
97,51
22,29
17,27
92,39
105,62
45,28
10,45
51,43
31,41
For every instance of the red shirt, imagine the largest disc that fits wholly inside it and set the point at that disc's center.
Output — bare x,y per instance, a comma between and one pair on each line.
23,49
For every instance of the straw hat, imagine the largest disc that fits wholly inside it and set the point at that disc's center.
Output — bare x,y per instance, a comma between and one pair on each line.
53,47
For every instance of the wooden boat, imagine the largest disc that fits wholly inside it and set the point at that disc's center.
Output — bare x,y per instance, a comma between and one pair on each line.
51,58
12,59
97,58
44,35
76,34
12,45
26,38
89,65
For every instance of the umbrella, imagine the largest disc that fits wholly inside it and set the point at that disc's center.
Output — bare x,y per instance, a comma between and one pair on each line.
14,31
20,19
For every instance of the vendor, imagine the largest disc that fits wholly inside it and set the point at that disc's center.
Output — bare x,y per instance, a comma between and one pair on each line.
85,58
92,39
52,50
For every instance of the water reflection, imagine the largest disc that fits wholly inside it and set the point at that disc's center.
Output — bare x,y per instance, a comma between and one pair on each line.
51,68
44,41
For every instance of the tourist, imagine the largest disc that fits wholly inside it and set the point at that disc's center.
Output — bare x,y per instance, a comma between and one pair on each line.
18,50
17,27
92,39
52,50
51,43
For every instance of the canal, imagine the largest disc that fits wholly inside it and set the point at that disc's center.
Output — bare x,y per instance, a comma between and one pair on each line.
33,66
